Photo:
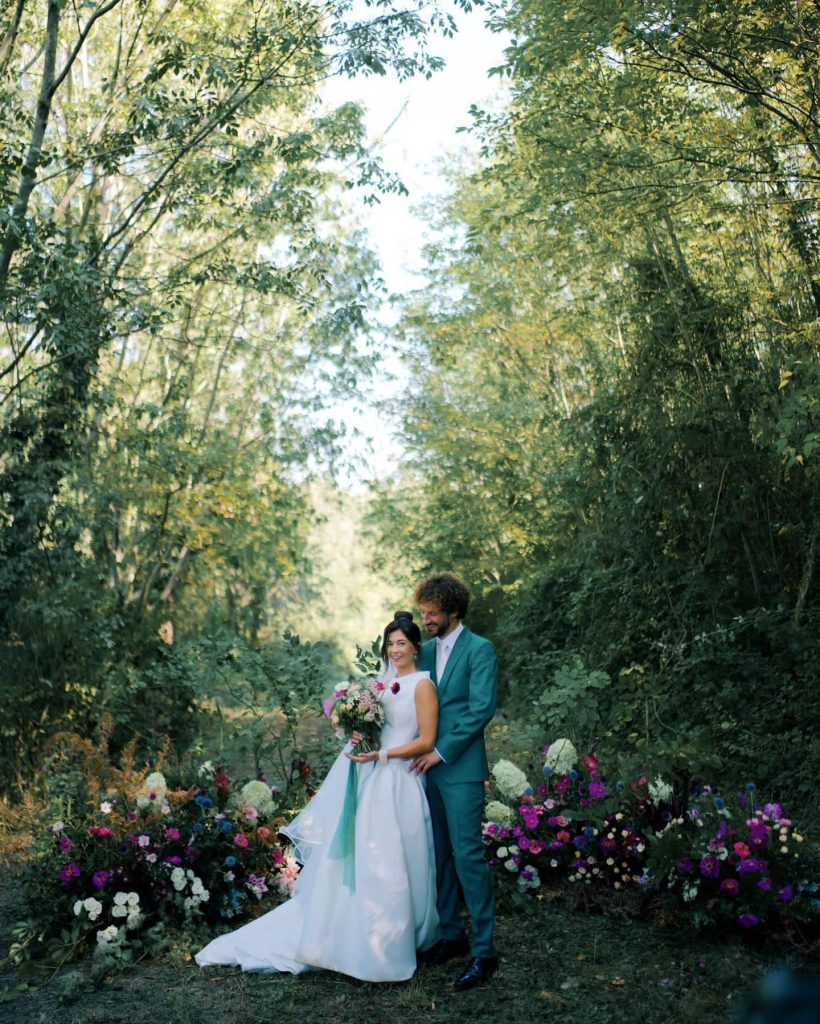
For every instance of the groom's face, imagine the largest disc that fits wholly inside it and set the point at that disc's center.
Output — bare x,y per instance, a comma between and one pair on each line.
437,622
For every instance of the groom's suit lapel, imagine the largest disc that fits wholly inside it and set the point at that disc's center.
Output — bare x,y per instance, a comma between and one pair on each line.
457,653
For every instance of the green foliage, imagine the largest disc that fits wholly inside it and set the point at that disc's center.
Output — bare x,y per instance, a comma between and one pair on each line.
615,414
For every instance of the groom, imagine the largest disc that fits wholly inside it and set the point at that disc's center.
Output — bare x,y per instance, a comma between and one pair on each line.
463,667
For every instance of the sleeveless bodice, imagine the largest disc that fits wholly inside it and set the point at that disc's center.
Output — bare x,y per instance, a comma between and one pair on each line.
401,722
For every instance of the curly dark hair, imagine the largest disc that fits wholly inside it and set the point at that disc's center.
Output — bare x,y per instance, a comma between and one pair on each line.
402,621
445,590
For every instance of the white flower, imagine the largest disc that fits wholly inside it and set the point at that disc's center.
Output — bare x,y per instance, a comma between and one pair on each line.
106,807
510,780
58,826
229,876
119,910
94,908
132,899
120,898
206,770
510,865
502,852
134,919
108,934
561,756
660,791
178,879
151,858
498,813
257,794
78,906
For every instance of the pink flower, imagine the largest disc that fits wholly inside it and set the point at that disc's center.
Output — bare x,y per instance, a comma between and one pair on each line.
563,837
240,839
66,844
277,856
100,831
394,689
250,813
264,832
742,850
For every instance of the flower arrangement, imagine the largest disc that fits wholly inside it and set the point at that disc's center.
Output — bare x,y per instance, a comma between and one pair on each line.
154,860
357,707
714,859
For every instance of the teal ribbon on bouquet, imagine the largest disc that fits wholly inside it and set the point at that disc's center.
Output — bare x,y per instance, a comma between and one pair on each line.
343,846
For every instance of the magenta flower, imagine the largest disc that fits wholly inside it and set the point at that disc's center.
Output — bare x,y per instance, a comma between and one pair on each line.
710,867
66,844
742,850
773,811
69,872
100,831
747,920
172,833
241,840
395,687
598,790
100,879
730,887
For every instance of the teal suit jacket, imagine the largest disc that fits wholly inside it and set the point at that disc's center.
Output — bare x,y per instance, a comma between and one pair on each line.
466,704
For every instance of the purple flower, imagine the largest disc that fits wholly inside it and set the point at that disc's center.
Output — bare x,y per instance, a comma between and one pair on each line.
172,833
524,843
66,844
710,867
176,861
773,811
395,687
100,879
747,920
69,872
730,887
785,894
686,867
608,845
765,884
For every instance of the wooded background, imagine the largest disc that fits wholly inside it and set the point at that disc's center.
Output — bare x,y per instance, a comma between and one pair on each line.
611,415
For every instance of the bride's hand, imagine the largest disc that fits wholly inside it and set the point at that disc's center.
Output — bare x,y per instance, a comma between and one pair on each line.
356,737
371,755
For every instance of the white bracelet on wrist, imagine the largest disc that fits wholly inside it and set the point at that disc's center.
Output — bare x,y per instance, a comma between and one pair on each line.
382,755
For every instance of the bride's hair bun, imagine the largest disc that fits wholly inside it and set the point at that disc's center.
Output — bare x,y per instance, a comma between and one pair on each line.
402,615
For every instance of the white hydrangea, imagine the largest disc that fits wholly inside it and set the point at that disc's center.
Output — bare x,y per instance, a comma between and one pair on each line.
153,792
510,780
257,794
660,791
561,756
178,879
498,813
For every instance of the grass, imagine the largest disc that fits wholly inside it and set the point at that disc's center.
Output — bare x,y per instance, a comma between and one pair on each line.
556,965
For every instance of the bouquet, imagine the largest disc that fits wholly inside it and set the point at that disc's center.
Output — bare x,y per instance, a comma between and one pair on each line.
357,707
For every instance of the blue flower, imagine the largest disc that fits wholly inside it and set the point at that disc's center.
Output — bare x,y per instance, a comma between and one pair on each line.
751,787
620,784
198,826
204,801
547,770
230,861
718,802
226,826
589,831
573,774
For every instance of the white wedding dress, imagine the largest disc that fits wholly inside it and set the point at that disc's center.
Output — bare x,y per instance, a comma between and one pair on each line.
369,929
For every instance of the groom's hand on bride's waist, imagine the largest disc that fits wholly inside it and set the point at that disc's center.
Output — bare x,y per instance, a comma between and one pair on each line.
425,762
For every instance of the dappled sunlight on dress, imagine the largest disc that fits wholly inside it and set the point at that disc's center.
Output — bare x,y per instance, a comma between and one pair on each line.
372,928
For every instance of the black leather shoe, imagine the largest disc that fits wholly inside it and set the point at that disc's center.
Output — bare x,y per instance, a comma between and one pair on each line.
478,970
443,950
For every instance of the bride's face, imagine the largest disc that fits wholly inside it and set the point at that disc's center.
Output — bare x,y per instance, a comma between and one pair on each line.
400,651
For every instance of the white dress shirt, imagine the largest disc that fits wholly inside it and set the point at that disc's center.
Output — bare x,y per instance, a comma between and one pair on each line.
444,646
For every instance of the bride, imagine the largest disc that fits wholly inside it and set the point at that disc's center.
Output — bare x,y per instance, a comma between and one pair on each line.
368,922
